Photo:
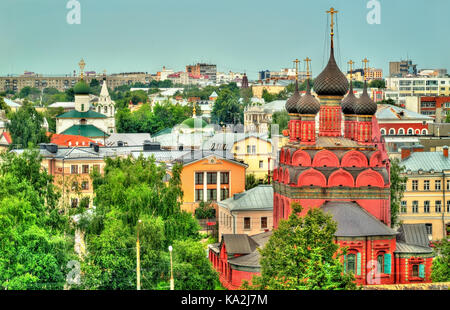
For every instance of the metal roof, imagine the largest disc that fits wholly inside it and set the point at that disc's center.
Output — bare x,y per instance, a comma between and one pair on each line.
426,161
239,243
353,221
392,112
259,198
127,138
410,248
85,131
78,114
414,234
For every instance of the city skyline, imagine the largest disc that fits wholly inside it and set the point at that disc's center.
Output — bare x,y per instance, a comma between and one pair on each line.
245,37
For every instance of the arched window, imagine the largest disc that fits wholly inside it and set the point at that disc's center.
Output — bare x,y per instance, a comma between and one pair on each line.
424,131
82,107
410,131
392,131
351,263
380,263
83,121
106,110
383,131
401,131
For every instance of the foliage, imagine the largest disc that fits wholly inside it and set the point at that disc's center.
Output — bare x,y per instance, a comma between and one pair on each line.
358,84
380,84
205,211
31,93
131,190
227,109
282,119
301,255
251,181
398,183
26,126
388,101
33,249
440,270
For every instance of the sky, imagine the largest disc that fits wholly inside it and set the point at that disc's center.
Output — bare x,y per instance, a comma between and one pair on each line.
237,35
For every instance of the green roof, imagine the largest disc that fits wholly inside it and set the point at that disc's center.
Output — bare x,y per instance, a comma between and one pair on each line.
426,161
85,131
81,88
191,121
78,114
163,132
259,198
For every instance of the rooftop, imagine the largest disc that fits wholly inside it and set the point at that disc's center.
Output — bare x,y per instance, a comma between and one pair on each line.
427,161
259,198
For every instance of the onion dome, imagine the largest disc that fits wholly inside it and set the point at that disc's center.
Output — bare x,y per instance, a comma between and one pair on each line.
331,81
291,103
81,88
308,104
364,105
349,102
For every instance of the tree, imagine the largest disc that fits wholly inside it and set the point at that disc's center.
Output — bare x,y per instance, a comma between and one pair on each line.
31,93
26,128
380,84
34,249
205,211
440,270
301,255
227,109
131,190
398,183
282,119
250,181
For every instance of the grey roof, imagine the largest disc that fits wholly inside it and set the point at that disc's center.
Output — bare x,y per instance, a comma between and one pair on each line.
413,234
129,139
426,161
392,112
229,139
196,155
252,259
239,243
11,103
259,198
175,139
354,221
162,155
275,106
412,249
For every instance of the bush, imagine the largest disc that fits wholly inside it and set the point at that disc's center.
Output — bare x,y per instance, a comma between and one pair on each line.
205,211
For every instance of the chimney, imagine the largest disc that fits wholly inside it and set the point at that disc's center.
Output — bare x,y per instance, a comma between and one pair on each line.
445,151
418,148
52,148
405,151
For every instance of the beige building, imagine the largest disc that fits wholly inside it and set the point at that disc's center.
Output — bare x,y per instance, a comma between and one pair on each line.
271,89
426,199
248,213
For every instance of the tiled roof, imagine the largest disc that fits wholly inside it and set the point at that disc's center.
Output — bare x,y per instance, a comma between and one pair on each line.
70,140
414,234
259,198
85,131
354,221
426,161
392,112
78,114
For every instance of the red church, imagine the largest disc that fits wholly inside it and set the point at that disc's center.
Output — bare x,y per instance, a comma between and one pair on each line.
343,169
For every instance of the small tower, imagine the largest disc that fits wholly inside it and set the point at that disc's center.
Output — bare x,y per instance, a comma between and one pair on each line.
244,81
81,91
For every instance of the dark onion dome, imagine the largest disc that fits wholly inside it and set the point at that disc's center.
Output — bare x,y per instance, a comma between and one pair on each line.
308,104
349,102
331,81
364,105
81,88
291,103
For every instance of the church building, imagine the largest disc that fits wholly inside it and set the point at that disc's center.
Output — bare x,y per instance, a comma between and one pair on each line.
342,168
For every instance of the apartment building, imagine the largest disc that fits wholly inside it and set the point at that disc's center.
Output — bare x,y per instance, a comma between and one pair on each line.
419,86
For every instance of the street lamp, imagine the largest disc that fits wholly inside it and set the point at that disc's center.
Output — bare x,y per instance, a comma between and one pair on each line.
172,285
138,259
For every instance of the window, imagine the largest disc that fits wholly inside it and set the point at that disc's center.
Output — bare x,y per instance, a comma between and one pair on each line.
383,131
211,177
261,164
410,132
426,185
253,149
380,263
212,194
448,206
426,206
199,178
415,206
74,185
429,228
401,131
85,185
198,194
224,193
82,107
263,222
74,169
415,185
246,223
415,270
438,206
248,149
392,131
403,206
224,177
85,168
437,185
351,263
74,202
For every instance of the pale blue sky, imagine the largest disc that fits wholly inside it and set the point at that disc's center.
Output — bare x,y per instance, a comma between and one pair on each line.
237,35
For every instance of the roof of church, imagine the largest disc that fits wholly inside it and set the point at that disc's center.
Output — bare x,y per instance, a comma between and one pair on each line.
78,114
291,103
85,131
81,88
364,105
259,198
239,243
331,81
348,103
414,234
353,221
190,122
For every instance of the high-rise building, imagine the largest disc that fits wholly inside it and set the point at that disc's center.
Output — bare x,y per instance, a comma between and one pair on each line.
402,68
204,69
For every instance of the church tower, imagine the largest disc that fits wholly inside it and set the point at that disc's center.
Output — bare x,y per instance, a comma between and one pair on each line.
81,91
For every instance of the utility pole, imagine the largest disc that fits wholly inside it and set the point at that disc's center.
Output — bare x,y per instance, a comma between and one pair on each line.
172,284
138,259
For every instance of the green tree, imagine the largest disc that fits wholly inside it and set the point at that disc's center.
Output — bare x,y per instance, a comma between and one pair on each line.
282,119
380,84
227,109
398,183
301,255
358,84
440,270
31,93
26,127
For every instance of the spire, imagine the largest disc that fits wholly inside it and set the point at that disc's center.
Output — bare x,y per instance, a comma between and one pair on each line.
308,104
104,91
332,11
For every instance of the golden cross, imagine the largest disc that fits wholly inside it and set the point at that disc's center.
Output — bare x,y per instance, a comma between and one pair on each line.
351,69
365,61
82,64
296,61
332,11
307,60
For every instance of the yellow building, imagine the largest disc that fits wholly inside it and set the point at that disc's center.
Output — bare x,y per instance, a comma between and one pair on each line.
271,89
426,199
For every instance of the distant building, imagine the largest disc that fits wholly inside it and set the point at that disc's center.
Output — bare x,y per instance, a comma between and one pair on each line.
402,68
419,86
372,74
435,106
204,69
